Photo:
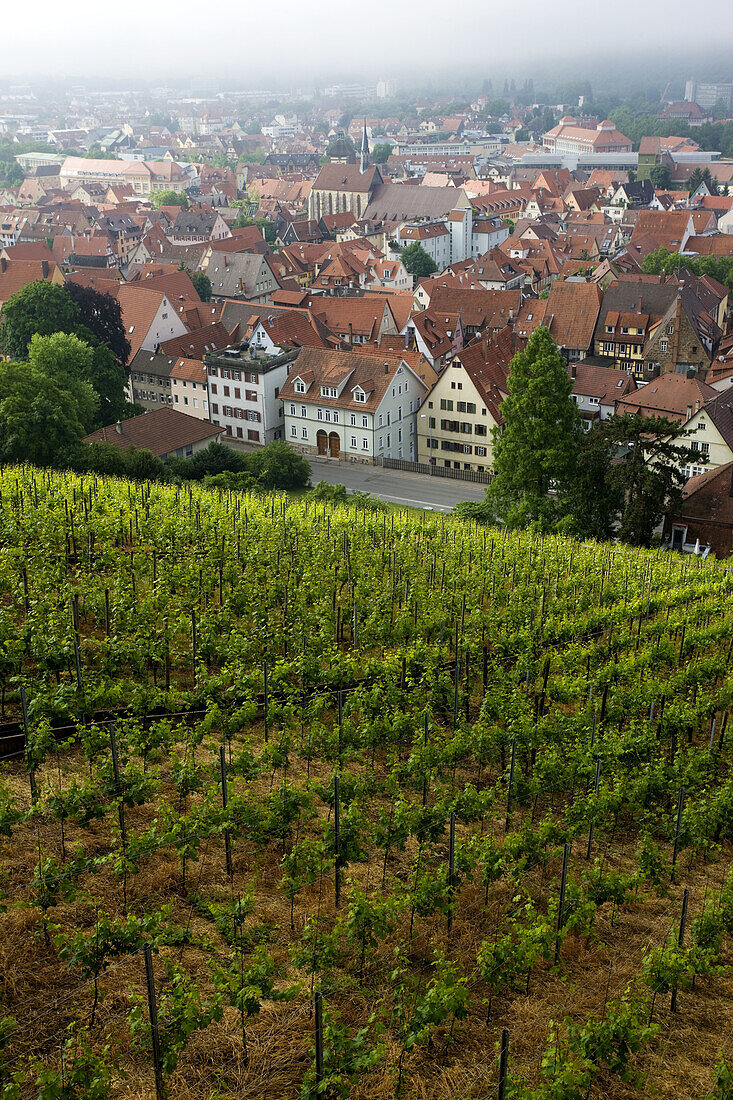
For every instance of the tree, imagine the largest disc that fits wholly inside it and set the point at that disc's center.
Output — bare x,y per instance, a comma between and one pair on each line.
661,177
67,360
39,419
417,261
277,466
649,473
40,307
595,500
202,283
170,198
14,176
698,176
381,152
101,314
536,452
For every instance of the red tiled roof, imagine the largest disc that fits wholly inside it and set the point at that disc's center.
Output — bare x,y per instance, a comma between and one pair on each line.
162,431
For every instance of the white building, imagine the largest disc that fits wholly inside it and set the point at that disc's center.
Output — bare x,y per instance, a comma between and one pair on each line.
244,393
352,406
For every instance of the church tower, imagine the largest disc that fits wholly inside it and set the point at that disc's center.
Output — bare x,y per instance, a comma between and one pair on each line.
364,162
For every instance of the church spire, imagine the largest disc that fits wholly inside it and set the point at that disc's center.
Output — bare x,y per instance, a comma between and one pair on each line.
364,164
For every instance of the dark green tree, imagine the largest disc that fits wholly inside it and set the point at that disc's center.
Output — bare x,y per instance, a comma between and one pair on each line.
595,500
536,452
39,420
661,177
417,261
277,466
67,361
381,152
170,198
101,314
202,283
40,307
647,470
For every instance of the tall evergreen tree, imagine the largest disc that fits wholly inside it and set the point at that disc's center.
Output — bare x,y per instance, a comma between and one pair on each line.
535,454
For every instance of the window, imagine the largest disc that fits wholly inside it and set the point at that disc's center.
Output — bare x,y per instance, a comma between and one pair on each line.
352,419
328,415
480,452
607,348
431,421
299,386
304,433
670,330
226,391
252,435
365,444
461,406
329,391
293,430
470,407
446,406
353,441
662,345
359,396
214,408
365,421
292,409
250,395
335,416
594,400
694,445
319,414
481,429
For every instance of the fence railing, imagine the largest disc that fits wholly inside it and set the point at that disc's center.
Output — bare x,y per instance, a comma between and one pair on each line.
480,476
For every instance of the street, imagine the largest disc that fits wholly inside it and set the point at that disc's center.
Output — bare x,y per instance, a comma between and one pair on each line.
440,494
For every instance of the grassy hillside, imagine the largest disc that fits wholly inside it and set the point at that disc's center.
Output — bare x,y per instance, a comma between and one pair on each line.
386,692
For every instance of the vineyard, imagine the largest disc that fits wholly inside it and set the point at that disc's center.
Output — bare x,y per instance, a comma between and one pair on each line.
299,800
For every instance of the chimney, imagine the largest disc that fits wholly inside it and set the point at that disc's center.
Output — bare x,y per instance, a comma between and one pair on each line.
689,412
118,428
3,264
573,370
351,335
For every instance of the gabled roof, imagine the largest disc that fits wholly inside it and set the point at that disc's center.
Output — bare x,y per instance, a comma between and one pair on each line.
487,363
193,345
572,312
347,177
608,385
671,395
162,431
373,374
362,316
478,308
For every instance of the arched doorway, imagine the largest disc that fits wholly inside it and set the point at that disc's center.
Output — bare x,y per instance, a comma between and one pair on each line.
321,442
334,444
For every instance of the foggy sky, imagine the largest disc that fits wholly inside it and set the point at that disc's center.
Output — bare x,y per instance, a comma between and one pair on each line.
281,42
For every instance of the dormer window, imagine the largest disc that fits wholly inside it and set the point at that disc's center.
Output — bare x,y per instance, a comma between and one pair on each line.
329,391
299,386
359,395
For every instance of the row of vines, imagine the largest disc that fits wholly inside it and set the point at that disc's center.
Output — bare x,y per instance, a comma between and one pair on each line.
302,800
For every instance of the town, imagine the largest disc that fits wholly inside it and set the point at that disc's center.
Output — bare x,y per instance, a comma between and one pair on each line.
366,523
333,279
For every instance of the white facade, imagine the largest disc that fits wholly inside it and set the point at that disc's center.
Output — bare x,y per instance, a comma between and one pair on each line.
390,431
165,325
244,396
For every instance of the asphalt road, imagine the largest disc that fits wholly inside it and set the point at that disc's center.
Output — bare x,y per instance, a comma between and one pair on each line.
397,486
